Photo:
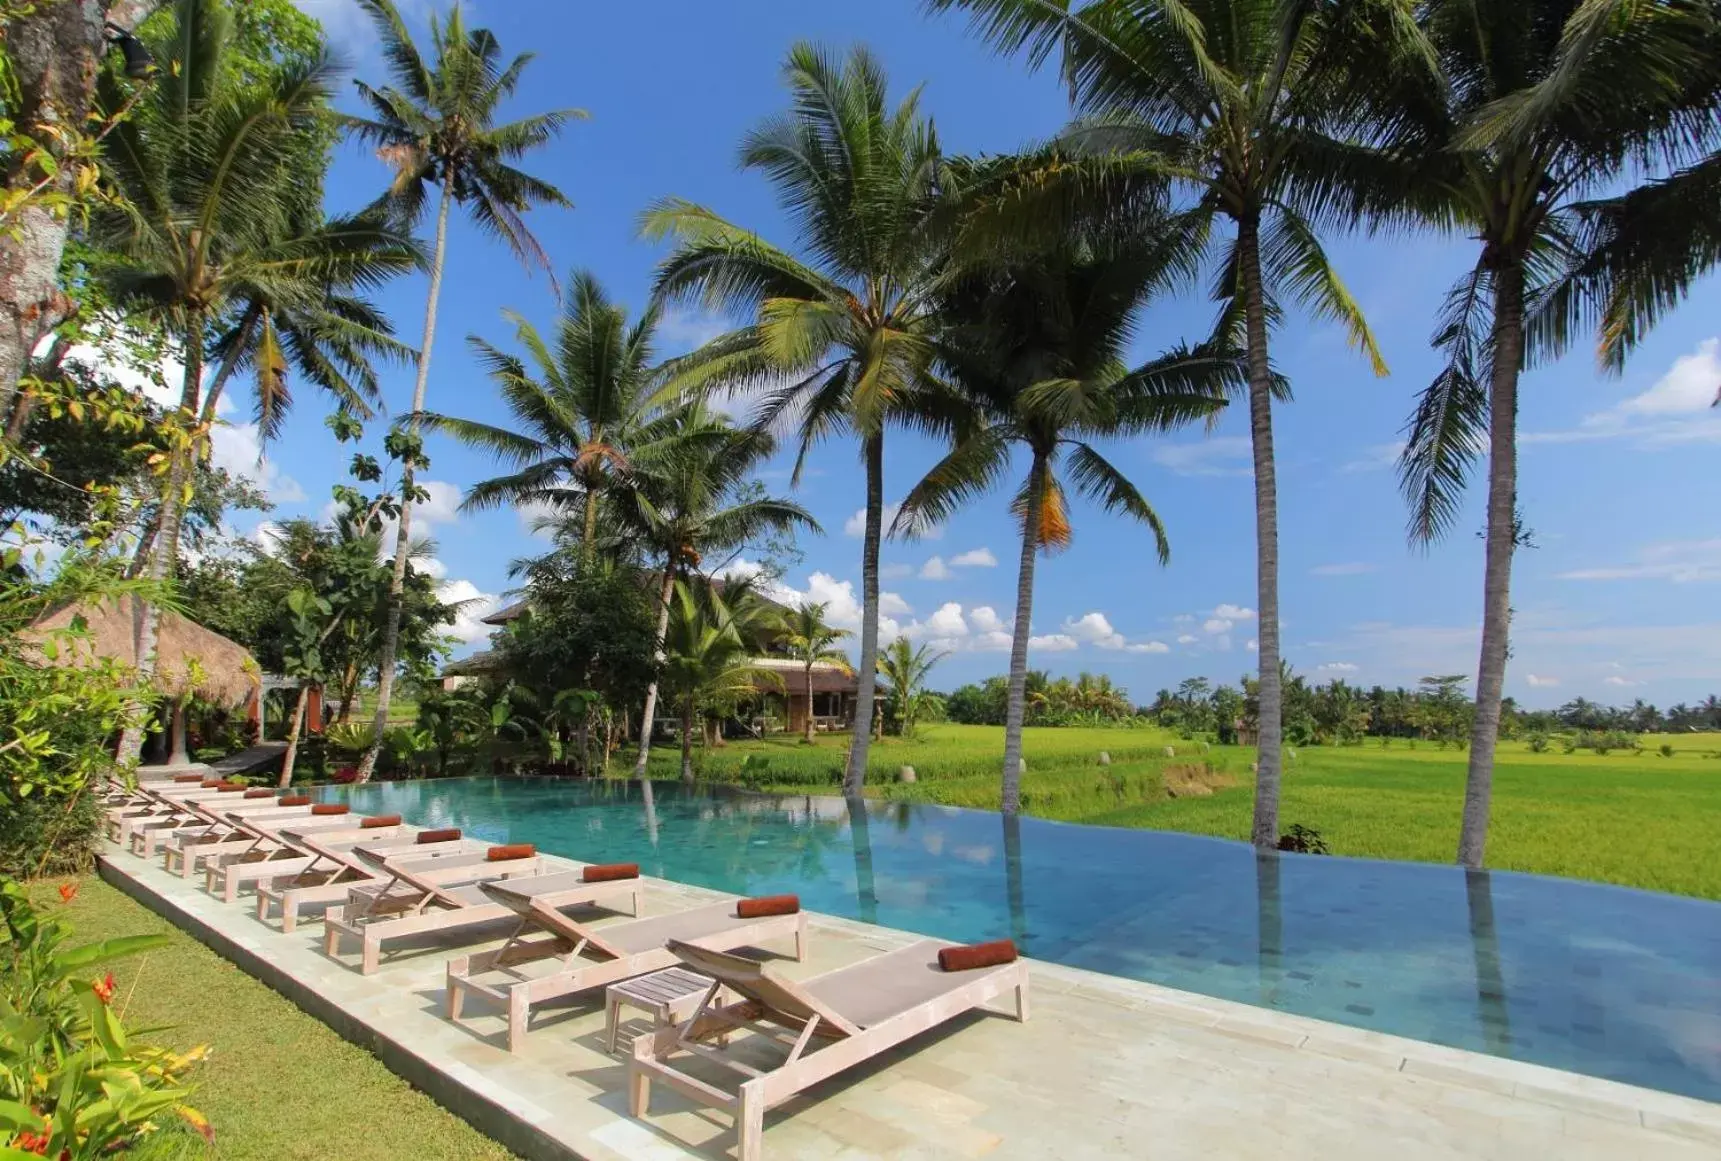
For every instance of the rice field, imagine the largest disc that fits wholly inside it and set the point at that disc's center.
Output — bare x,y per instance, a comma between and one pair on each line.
1637,819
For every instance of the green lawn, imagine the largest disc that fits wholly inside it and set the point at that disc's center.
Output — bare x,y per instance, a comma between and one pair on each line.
278,1085
1641,820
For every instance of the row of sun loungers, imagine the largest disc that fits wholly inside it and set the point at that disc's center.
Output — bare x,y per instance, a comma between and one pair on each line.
381,884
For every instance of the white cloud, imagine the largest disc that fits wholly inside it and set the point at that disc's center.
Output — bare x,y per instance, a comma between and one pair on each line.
1094,629
1148,647
855,526
1187,639
1216,625
1617,680
1333,666
1223,456
842,606
985,619
441,504
1674,410
1348,568
1679,561
935,569
1054,643
1689,387
431,567
1183,619
1252,645
1376,457
1234,613
1538,681
682,330
895,571
974,558
946,623
468,627
893,605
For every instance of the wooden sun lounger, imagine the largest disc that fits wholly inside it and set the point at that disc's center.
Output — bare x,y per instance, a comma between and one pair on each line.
244,831
587,958
405,902
204,816
855,1013
295,847
155,809
330,881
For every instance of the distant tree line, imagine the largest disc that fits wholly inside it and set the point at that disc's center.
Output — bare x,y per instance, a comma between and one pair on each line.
1335,713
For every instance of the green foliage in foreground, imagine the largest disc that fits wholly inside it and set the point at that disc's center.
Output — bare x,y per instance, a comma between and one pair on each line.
1636,819
278,1084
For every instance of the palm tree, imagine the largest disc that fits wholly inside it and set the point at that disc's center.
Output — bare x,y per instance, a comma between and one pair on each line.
1037,348
846,330
436,126
1530,108
1232,99
904,668
709,647
589,396
214,243
690,496
813,641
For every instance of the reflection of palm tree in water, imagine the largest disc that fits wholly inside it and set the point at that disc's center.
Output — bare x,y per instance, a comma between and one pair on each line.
859,834
1269,926
648,797
1485,945
1013,880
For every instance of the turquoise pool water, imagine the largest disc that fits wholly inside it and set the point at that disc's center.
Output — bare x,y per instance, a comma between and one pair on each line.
1594,979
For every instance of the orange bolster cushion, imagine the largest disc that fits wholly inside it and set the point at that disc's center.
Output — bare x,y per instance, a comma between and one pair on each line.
210,783
295,800
767,905
511,851
330,808
188,778
609,872
261,792
445,835
229,787
380,820
977,955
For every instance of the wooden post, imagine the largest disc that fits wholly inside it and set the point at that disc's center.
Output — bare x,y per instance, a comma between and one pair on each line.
314,710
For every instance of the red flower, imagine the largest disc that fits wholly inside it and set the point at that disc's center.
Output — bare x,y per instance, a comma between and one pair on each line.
68,892
347,774
28,1142
104,988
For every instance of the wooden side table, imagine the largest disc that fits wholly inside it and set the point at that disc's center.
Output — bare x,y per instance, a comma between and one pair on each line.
671,996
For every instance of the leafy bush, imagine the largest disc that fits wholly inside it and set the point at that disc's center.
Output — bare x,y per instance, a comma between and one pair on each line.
1303,840
1538,742
74,1085
1666,749
50,836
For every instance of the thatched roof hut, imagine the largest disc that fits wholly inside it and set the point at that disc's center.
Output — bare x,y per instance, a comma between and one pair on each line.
189,658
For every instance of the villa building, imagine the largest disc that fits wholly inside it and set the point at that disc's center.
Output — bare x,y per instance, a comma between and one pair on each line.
831,702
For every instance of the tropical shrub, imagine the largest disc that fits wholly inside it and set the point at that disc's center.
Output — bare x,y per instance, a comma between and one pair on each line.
56,720
74,1085
1538,742
43,835
1666,749
1304,840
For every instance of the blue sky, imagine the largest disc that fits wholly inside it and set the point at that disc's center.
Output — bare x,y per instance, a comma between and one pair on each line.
1615,602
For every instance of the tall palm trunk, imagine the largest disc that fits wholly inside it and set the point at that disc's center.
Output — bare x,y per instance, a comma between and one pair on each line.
649,715
1265,831
1015,700
1502,541
291,757
854,778
403,530
165,553
809,703
687,739
588,546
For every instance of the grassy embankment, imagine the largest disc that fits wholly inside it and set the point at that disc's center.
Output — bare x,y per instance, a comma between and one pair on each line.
278,1084
1640,820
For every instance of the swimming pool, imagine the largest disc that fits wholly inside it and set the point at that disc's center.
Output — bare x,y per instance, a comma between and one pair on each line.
1594,979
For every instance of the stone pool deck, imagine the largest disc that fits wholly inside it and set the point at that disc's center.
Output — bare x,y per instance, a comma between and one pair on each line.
1105,1068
